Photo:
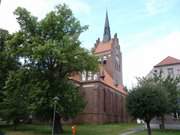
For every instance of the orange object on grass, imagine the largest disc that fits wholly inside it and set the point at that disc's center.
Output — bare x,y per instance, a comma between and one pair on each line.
74,130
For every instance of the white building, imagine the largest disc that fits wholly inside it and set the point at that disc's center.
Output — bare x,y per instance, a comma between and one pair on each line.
167,67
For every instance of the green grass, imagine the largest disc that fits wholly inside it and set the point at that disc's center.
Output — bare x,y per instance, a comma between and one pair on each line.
107,129
159,132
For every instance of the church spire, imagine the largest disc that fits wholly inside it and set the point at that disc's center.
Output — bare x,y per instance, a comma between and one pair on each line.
107,32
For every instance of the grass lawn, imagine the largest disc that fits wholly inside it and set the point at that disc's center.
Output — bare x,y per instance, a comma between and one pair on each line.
159,132
107,129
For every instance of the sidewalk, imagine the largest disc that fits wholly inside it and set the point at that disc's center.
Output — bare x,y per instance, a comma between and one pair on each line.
132,131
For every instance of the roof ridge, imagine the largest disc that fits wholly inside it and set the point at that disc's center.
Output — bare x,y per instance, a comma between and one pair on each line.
169,60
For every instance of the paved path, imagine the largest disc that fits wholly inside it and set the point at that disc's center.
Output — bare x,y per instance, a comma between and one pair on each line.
132,131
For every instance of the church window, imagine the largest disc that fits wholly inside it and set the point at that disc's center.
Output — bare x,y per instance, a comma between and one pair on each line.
104,59
95,77
89,76
116,82
83,76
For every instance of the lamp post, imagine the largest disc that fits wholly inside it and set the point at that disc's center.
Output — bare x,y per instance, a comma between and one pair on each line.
55,99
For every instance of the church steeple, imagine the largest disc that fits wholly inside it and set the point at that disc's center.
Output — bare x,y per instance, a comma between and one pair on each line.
107,32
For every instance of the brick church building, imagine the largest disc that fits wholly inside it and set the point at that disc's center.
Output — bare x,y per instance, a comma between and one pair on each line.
103,91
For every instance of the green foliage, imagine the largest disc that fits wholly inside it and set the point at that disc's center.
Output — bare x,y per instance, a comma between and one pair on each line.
106,129
49,52
14,106
170,86
146,100
69,104
7,63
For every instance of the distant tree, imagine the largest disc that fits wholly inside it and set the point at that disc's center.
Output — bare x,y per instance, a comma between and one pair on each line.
146,101
50,51
170,86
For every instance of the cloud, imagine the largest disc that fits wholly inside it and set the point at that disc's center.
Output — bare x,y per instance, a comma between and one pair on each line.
8,20
38,8
78,6
154,7
139,61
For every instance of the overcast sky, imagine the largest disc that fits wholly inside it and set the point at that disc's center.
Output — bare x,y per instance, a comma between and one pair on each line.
148,30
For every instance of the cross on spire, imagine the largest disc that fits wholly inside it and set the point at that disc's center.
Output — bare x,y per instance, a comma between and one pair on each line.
107,32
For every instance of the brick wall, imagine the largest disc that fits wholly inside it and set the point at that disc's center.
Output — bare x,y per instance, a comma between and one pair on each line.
104,105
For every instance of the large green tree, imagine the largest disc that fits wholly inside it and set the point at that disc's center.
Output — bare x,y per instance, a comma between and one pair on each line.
146,100
50,51
7,62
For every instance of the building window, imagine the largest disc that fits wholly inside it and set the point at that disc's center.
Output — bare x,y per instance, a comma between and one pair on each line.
119,68
170,72
83,76
95,77
104,59
176,115
161,71
178,71
89,76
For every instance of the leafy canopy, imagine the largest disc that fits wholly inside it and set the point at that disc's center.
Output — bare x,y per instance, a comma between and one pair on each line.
147,100
171,87
7,63
49,52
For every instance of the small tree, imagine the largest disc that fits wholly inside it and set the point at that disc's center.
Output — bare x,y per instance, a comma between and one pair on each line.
146,101
170,86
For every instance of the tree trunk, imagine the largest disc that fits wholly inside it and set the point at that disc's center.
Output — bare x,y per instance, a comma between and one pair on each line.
57,124
162,126
15,123
148,128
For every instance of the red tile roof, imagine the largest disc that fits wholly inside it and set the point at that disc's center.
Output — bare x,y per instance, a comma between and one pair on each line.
103,47
168,61
109,81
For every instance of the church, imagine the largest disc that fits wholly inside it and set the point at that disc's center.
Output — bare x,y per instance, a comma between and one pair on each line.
103,91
